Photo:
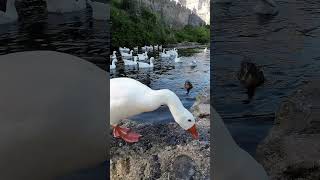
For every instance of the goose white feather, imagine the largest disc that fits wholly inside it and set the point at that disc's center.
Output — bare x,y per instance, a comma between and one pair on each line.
146,65
127,55
129,97
8,12
113,64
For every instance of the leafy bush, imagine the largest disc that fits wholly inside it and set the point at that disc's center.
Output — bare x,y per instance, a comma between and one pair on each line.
138,28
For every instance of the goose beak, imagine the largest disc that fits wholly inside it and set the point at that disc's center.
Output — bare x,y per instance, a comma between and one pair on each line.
194,132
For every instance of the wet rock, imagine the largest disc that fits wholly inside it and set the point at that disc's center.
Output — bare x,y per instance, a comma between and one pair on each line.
165,151
291,150
183,168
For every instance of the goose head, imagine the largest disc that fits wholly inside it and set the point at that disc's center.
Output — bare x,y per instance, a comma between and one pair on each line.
187,122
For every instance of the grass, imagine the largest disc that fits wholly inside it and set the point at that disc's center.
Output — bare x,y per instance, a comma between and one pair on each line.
138,28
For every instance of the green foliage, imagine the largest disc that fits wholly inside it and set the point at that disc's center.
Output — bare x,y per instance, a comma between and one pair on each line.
138,28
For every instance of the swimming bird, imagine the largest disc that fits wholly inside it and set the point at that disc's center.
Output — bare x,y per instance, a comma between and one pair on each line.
129,97
124,50
266,7
143,56
8,11
250,76
163,54
232,162
100,11
113,64
205,50
193,63
53,115
177,59
127,55
146,65
64,6
114,56
187,86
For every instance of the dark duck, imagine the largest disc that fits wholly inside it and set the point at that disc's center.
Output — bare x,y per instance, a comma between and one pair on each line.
187,86
250,76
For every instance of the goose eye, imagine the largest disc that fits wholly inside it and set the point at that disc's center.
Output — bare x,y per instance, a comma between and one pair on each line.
189,120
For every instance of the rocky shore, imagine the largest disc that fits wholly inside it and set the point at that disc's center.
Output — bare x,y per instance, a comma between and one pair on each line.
165,151
292,149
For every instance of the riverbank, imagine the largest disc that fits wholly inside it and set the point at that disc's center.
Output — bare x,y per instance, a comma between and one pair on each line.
165,150
291,150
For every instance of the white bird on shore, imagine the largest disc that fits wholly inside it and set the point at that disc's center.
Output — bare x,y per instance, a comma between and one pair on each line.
64,6
129,97
8,11
146,65
124,50
232,162
53,115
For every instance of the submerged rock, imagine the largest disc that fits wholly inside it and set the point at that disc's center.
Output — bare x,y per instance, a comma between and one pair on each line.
291,150
165,151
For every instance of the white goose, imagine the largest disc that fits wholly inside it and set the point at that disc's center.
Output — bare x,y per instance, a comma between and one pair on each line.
53,124
100,11
230,161
113,64
177,59
205,50
143,56
146,65
8,12
164,54
124,50
127,55
64,6
129,97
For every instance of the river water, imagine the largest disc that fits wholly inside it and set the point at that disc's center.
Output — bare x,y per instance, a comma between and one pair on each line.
167,74
286,46
73,33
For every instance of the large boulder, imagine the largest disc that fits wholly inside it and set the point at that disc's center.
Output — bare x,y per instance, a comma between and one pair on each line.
291,150
165,151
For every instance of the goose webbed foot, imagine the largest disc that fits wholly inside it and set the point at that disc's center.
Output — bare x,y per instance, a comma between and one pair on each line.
126,134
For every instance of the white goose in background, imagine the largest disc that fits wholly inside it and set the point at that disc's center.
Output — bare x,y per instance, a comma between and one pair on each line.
266,7
56,150
164,54
143,56
8,11
100,11
193,63
113,64
113,56
205,50
177,59
144,48
129,62
124,50
173,53
64,6
146,65
136,48
232,162
129,97
127,55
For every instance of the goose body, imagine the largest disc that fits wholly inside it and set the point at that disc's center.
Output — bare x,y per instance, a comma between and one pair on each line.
124,50
53,115
164,54
177,59
127,55
64,6
100,11
143,56
266,7
129,97
232,162
146,65
113,56
129,62
113,64
8,11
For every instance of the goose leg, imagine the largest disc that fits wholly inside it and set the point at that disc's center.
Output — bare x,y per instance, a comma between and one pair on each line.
125,134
